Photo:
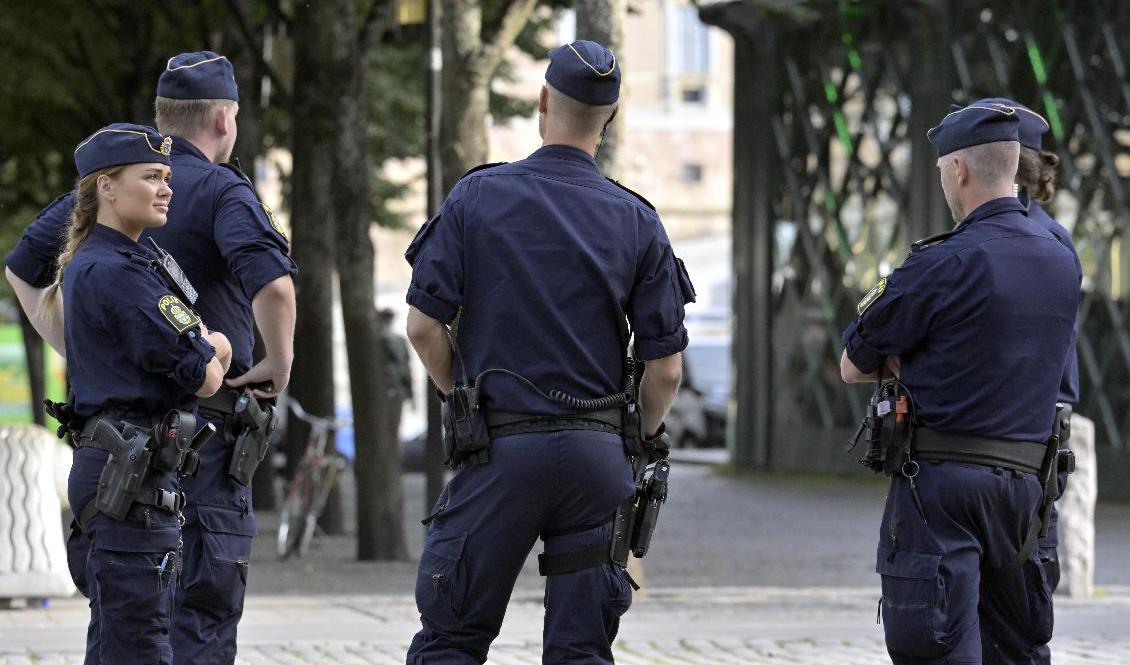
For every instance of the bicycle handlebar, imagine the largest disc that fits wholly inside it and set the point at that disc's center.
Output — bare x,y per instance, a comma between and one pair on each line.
320,422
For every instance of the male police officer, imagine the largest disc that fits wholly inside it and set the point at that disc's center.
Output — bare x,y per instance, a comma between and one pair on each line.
978,322
235,254
548,262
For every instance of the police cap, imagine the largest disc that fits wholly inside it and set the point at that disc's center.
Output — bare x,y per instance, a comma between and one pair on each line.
121,143
585,71
1033,126
973,125
199,75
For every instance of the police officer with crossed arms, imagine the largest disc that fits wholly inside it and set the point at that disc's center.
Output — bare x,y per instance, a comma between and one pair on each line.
978,325
235,254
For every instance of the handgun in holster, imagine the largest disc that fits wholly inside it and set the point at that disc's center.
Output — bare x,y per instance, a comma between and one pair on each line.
634,523
126,468
466,440
257,424
1056,457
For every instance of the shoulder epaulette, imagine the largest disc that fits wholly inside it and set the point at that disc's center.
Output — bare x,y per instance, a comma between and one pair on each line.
480,167
633,193
930,241
234,168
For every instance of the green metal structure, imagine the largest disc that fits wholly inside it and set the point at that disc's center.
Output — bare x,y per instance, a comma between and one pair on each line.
834,178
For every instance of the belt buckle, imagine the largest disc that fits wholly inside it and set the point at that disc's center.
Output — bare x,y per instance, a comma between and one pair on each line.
170,501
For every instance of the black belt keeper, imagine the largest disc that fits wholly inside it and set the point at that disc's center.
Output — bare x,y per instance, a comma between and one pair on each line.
1023,456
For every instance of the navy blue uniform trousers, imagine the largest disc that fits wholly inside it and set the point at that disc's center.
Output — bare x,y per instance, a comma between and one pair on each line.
944,599
561,486
128,571
218,528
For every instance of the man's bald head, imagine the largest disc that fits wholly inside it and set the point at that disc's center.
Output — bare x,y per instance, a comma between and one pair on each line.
565,118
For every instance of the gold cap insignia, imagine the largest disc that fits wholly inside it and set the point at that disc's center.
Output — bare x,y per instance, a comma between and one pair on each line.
167,146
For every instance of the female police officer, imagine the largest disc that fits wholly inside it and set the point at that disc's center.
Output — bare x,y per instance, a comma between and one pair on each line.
135,354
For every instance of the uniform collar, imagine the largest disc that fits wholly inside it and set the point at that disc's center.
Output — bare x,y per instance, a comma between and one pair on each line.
995,207
186,147
115,238
567,152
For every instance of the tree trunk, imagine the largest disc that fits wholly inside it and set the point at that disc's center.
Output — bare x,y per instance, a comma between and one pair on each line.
312,220
380,497
463,133
602,21
470,59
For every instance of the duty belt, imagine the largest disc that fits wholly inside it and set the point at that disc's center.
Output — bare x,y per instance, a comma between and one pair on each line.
1023,456
223,402
503,423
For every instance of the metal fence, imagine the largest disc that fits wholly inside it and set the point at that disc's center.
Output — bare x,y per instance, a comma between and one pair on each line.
834,178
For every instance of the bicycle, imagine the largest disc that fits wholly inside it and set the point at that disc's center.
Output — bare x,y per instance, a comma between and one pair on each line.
308,490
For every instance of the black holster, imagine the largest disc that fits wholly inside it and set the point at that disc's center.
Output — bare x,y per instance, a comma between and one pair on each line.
126,469
136,453
257,423
466,439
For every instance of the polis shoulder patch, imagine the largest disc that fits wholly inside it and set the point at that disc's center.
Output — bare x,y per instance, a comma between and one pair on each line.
274,220
871,296
174,311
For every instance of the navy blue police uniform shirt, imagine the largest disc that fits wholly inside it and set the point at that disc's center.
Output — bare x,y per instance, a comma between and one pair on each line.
1069,385
34,256
227,242
131,343
548,261
981,321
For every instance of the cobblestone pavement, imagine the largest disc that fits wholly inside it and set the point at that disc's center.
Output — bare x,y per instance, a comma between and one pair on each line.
752,625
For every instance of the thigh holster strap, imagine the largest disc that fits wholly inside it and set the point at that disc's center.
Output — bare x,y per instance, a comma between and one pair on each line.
171,502
571,562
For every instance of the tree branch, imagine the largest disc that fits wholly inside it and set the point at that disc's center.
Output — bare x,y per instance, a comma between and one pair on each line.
514,19
251,43
276,10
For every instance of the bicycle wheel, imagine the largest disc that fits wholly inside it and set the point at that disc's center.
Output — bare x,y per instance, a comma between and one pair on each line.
292,516
319,491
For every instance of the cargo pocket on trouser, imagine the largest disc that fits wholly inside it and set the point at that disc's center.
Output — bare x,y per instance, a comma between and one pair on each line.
78,550
135,594
1038,594
440,580
913,603
217,558
618,601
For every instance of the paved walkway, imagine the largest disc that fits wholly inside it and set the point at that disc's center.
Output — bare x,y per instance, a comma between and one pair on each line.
825,626
744,569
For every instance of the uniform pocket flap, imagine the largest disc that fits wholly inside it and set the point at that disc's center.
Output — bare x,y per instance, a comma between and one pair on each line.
224,520
445,544
904,563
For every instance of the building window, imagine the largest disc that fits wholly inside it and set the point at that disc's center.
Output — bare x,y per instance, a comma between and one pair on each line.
692,172
690,42
694,95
